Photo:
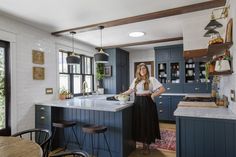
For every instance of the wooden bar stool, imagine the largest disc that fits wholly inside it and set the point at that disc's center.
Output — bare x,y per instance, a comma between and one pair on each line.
92,130
63,125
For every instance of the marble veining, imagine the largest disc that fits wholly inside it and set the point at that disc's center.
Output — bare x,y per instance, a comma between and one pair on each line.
94,102
197,112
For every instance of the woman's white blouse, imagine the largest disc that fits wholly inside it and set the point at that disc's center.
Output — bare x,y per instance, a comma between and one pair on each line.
153,86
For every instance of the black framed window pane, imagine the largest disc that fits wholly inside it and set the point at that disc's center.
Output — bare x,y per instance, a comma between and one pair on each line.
65,65
77,84
2,87
65,81
77,69
60,61
89,79
88,67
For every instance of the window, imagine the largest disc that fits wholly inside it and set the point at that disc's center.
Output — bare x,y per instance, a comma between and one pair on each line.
4,89
73,76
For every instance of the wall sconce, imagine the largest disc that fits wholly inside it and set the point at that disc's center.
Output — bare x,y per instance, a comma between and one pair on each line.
213,24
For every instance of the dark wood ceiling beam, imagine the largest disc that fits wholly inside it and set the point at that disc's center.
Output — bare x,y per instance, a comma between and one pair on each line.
149,16
142,43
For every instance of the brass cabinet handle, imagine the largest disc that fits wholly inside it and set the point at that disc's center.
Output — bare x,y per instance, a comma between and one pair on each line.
160,97
160,111
42,117
168,88
160,102
42,108
196,88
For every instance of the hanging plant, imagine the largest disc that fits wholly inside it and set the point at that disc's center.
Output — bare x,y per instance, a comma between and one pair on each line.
100,71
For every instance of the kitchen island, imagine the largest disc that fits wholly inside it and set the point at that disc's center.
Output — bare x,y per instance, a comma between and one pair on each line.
90,110
205,131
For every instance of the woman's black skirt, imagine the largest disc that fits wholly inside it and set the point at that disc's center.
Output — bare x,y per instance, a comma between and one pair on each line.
145,120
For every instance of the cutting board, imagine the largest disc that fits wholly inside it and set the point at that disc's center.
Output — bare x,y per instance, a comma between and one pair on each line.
197,104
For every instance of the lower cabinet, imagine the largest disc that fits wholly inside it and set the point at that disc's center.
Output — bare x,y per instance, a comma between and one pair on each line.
205,137
166,106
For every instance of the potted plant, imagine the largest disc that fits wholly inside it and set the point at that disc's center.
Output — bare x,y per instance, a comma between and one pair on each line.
223,63
62,94
100,76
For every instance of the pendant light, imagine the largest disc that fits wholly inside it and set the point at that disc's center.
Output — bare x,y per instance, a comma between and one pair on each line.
72,59
211,33
101,56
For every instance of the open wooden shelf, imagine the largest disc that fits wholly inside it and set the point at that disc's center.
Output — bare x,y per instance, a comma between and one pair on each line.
222,73
218,49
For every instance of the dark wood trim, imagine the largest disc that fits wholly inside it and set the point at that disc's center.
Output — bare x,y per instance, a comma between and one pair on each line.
195,53
142,43
148,16
147,63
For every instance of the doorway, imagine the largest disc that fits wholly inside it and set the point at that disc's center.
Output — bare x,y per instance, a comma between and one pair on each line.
5,129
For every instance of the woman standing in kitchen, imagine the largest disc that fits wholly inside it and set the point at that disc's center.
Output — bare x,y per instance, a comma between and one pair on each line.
145,118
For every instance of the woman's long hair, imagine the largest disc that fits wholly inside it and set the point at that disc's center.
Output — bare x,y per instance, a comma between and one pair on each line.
139,77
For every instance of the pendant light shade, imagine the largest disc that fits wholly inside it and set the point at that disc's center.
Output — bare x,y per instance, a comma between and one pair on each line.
213,24
211,32
72,59
101,56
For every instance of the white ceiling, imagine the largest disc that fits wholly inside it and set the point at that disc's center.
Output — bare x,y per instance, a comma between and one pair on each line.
55,15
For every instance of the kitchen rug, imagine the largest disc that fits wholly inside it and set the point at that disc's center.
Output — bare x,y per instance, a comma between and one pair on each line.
167,142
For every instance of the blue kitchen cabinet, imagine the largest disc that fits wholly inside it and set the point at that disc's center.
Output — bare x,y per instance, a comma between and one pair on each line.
163,107
205,137
170,67
179,75
119,81
166,105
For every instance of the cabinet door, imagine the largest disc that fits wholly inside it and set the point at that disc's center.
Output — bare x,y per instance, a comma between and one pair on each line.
163,107
162,74
204,87
173,105
176,53
162,54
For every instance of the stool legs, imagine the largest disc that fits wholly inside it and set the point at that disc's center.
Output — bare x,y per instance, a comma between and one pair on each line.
92,143
77,140
107,144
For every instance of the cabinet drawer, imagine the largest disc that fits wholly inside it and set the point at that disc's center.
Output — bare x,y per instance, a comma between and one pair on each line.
174,88
163,112
43,109
42,118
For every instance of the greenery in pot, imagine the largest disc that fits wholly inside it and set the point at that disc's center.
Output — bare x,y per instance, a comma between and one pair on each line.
100,74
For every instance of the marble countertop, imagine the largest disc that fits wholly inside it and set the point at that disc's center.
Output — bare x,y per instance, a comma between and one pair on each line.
92,102
205,112
189,94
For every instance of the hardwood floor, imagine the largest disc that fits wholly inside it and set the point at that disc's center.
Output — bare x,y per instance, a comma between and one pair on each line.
153,153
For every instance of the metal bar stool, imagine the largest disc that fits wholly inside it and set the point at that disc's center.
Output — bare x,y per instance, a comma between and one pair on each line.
92,130
65,124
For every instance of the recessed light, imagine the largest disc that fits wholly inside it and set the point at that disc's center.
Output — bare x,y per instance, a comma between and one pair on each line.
136,34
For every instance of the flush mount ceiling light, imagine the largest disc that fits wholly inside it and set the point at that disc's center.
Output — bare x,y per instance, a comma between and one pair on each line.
136,34
72,59
101,56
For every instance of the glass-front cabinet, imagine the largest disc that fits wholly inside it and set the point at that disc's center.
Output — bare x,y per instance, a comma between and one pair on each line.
179,75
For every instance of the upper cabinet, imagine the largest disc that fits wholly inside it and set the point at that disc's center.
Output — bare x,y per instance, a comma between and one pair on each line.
119,81
179,75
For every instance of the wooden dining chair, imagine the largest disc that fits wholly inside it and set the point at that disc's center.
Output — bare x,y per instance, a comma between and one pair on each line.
74,154
40,136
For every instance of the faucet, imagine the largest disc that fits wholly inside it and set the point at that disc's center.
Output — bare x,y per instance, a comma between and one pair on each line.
84,87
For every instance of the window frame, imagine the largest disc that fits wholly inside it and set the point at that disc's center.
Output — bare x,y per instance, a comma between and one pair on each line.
82,73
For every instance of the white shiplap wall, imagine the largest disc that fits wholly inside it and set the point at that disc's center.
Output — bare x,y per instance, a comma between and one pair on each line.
25,91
